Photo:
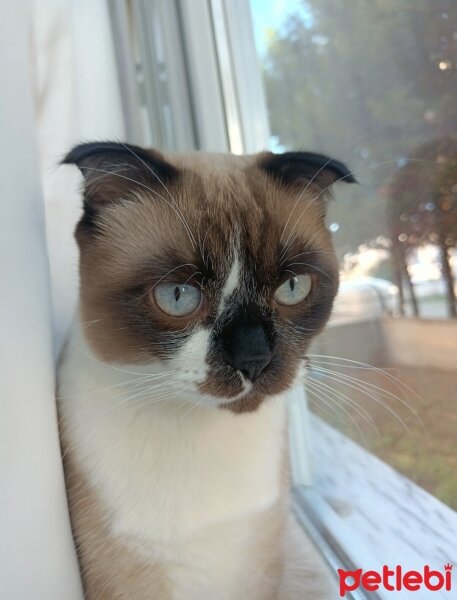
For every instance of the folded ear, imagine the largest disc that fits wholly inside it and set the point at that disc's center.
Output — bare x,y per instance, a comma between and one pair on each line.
301,168
113,170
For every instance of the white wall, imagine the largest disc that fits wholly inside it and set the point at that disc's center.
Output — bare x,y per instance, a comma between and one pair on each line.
76,98
37,558
58,86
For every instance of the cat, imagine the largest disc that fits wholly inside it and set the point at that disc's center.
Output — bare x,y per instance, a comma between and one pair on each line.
203,279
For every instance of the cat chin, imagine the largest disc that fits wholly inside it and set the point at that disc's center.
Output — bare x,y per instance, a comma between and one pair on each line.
219,400
246,401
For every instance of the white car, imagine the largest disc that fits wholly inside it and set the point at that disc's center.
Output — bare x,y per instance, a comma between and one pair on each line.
363,298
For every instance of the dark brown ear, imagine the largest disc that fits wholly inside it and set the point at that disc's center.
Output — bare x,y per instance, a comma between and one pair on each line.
300,168
113,170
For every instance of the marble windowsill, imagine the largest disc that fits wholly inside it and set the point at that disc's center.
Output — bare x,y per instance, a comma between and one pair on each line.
370,515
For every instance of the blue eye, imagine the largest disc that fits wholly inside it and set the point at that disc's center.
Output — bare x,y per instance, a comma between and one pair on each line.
294,290
177,299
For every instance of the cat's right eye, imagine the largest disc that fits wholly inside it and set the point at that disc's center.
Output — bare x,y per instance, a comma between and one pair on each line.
294,290
177,299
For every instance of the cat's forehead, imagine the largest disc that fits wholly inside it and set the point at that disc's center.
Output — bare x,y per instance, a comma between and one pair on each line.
137,197
222,209
224,186
235,195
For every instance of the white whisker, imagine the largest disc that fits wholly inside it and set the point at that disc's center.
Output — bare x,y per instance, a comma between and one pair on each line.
348,401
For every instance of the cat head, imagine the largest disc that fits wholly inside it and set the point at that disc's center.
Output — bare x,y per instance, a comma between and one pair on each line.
219,266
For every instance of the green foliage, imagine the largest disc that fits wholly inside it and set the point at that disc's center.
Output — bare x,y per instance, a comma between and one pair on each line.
423,195
363,83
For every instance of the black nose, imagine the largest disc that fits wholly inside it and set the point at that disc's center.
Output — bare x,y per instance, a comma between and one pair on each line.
252,367
247,349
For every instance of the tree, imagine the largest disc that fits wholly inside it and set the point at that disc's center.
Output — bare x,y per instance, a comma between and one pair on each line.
369,81
366,81
423,205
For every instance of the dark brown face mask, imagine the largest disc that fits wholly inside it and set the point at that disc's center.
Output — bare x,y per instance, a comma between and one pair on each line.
224,260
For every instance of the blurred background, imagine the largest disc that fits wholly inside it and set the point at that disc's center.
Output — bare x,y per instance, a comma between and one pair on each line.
374,83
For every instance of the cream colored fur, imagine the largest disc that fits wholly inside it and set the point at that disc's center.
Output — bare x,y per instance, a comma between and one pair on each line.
176,500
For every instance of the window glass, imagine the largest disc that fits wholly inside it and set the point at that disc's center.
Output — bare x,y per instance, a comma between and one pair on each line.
374,84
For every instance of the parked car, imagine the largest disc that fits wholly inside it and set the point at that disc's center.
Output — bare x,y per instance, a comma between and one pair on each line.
366,297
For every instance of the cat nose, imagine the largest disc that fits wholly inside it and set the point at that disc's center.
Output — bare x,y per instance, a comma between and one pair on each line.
247,348
252,367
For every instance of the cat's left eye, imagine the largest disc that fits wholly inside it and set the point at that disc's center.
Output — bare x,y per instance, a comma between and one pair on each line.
177,299
294,290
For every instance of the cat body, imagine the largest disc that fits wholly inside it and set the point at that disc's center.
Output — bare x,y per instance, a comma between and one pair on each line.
197,494
173,380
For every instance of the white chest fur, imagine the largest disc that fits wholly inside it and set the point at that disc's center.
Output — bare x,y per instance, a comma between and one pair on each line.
167,471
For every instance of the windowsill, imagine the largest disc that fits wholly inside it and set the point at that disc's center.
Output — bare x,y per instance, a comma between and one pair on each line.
369,515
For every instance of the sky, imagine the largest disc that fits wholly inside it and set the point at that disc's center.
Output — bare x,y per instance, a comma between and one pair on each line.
271,14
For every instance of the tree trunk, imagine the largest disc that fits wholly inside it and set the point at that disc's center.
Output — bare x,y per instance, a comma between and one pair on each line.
409,283
449,279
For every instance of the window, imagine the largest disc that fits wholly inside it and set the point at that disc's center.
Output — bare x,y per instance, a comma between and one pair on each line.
373,84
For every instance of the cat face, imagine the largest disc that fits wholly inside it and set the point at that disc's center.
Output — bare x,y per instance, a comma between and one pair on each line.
218,266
